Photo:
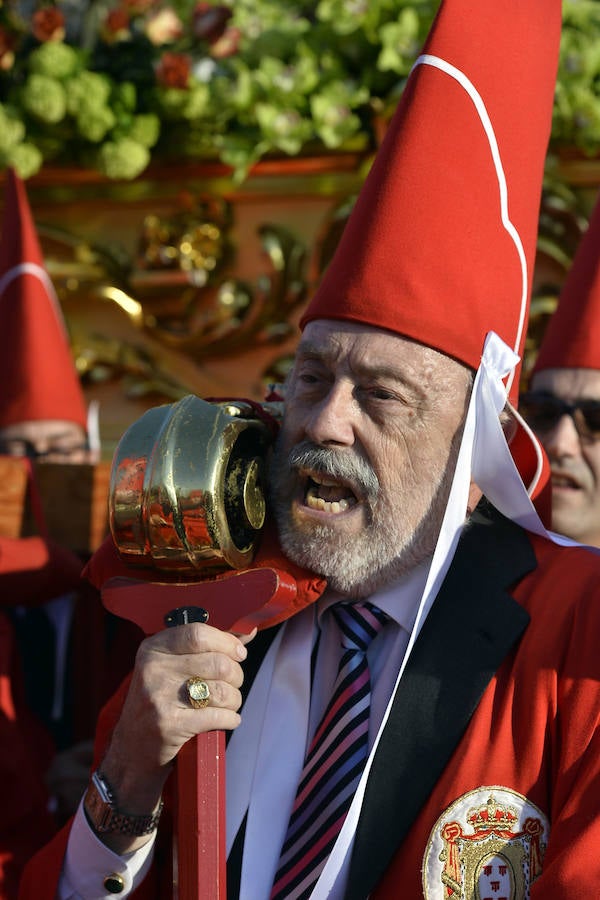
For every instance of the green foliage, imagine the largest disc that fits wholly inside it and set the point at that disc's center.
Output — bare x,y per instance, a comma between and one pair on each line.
127,84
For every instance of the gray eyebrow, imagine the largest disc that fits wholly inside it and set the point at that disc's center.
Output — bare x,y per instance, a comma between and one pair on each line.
313,350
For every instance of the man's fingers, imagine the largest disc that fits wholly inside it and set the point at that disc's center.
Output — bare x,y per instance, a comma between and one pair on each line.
221,695
196,637
246,638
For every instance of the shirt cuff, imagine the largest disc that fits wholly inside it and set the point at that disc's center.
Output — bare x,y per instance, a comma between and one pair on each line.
89,863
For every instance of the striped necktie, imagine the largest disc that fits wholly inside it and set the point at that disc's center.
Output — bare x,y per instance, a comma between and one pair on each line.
335,759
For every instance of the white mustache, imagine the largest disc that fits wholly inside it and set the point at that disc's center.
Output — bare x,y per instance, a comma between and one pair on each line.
337,464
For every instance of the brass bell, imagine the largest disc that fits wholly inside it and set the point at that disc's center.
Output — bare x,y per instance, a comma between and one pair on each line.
187,488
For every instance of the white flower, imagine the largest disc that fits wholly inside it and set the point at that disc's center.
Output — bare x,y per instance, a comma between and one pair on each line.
204,70
163,27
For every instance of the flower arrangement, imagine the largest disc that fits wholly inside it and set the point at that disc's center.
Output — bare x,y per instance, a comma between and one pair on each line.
113,85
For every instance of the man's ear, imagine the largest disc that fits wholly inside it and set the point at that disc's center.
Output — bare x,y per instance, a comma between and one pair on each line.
508,422
475,495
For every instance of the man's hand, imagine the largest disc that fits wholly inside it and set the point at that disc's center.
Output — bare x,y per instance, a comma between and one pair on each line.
157,717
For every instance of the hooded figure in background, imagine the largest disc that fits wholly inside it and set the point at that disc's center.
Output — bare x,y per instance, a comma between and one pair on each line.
53,625
563,403
423,721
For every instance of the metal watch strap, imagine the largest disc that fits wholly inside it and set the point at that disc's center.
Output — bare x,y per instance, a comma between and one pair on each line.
101,811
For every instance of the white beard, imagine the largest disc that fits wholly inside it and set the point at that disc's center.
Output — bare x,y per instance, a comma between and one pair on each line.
401,531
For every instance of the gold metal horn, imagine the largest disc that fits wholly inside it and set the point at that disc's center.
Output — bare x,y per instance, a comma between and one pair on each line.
187,487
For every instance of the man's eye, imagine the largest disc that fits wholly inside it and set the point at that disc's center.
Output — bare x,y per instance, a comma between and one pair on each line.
381,394
309,378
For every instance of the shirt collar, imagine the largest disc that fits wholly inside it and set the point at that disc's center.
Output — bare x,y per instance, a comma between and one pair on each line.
400,600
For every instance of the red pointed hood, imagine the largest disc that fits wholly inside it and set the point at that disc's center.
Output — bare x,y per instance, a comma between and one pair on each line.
572,338
441,243
37,373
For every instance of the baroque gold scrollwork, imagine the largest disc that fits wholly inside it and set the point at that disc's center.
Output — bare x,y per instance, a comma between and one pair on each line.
212,314
180,293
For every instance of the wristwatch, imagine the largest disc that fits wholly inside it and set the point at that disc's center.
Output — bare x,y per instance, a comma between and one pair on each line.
104,817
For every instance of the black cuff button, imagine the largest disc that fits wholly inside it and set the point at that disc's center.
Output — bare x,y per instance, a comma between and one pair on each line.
113,883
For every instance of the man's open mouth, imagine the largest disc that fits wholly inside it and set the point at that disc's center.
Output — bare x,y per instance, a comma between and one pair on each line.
328,495
560,480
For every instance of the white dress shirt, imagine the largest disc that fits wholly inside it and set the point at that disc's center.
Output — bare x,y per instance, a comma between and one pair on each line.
277,726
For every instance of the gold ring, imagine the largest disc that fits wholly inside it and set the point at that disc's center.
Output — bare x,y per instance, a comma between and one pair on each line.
198,692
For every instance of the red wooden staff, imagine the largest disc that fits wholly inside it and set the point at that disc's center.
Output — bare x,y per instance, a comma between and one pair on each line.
199,852
236,602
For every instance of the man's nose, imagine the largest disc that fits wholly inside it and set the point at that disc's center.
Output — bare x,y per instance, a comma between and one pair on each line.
333,418
563,439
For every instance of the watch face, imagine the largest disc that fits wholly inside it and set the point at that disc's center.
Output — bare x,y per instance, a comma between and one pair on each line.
103,817
95,807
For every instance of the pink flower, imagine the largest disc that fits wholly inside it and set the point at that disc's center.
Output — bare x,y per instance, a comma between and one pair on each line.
208,22
7,49
173,70
227,45
116,25
163,27
48,24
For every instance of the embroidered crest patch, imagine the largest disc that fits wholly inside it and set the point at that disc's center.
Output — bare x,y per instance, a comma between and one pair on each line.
488,845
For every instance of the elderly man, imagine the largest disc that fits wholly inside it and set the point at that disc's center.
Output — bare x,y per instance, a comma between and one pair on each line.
563,403
428,725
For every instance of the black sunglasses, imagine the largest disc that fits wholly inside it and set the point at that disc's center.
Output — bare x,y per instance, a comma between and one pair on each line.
22,447
543,412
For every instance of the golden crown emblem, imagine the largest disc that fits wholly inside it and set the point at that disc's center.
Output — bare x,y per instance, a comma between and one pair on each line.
500,817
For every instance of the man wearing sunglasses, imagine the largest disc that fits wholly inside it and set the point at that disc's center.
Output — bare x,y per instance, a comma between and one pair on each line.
563,403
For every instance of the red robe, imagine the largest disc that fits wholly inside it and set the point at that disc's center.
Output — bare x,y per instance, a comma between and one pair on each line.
487,776
32,571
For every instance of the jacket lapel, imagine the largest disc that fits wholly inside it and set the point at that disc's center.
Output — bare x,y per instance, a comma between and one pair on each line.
258,649
472,626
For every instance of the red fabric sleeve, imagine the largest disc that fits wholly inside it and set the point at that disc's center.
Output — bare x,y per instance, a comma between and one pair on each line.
42,874
34,570
25,750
